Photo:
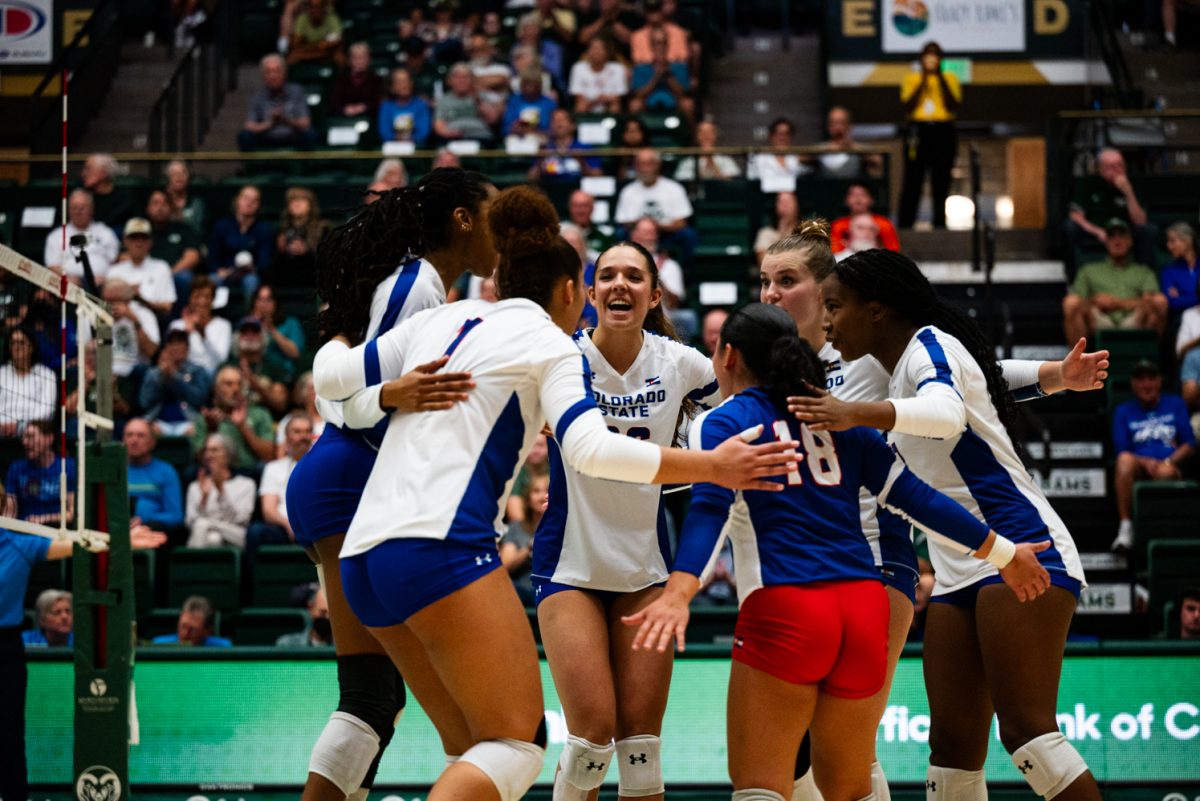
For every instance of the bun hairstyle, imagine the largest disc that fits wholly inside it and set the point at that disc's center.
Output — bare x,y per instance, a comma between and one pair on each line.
767,339
809,240
533,257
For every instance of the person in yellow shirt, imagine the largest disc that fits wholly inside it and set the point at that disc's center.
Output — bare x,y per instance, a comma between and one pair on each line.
931,100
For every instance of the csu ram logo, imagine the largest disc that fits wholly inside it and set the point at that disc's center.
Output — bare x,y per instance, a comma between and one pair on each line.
98,783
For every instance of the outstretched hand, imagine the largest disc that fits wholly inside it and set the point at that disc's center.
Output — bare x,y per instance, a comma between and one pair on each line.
662,620
423,389
1084,371
822,411
740,465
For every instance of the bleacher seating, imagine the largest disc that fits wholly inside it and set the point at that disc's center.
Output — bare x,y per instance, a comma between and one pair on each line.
215,573
263,626
1173,566
277,571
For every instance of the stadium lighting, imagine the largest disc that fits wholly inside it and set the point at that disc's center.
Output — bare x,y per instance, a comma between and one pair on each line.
960,213
1004,211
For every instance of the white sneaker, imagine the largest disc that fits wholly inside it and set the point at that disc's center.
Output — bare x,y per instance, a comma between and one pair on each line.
1124,540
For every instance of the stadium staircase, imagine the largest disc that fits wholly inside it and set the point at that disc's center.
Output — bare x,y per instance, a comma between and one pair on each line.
122,126
758,81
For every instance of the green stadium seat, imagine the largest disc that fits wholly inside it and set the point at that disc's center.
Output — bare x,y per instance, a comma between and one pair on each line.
1174,566
264,625
215,573
1165,510
175,451
143,581
1126,348
46,576
277,571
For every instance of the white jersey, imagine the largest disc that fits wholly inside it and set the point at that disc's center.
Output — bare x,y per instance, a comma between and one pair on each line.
609,535
443,474
978,467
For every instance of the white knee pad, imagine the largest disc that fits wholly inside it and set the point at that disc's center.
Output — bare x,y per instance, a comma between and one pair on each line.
344,751
639,761
583,765
1049,764
952,784
805,788
512,765
879,785
756,794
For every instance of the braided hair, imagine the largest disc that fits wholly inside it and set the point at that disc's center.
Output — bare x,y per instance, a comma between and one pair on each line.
533,257
895,281
354,258
769,343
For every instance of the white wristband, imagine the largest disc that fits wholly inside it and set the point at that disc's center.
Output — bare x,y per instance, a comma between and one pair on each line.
1003,551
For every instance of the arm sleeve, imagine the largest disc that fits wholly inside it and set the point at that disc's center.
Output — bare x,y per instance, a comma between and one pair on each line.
362,410
340,371
1022,378
1120,430
701,537
937,412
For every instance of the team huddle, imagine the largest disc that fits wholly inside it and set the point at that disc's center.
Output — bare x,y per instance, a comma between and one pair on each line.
432,408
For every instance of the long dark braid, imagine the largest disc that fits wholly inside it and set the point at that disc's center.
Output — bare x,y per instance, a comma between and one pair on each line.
895,281
355,257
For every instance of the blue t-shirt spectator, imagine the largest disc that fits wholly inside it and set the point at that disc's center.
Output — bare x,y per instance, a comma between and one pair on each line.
158,498
210,642
1178,279
18,554
228,239
660,97
413,114
1153,432
523,108
36,488
35,637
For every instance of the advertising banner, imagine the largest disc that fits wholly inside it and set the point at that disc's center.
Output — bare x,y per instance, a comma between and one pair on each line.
978,26
26,32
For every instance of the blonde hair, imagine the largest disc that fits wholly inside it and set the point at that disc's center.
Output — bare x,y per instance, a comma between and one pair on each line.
809,240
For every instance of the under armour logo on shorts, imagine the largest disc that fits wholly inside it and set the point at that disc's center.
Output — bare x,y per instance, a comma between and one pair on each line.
1025,767
636,759
480,561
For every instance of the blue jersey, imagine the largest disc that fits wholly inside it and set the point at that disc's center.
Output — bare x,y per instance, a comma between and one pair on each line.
37,488
18,554
1155,432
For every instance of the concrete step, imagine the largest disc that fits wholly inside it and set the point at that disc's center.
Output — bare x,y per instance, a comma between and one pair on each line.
759,81
955,246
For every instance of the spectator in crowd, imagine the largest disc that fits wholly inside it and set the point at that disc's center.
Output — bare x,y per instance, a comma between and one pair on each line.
633,136
390,174
580,209
840,159
102,244
610,20
516,546
318,631
537,463
1104,196
493,28
558,21
154,492
713,320
787,215
241,246
525,58
863,234
209,337
415,58
403,115
529,34
459,113
573,237
1152,436
1115,293
284,335
598,81
444,33
1179,276
174,389
357,88
150,278
33,482
263,378
135,331
55,621
28,390
931,100
661,199
707,166
304,401
195,627
492,76
444,158
174,242
278,112
316,35
662,84
777,170
558,164
245,425
528,110
219,502
300,231
185,207
645,232
641,43
860,201
1189,612
99,175
274,529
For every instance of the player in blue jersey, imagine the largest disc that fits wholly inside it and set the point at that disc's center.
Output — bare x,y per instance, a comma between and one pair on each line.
391,260
419,563
601,550
948,412
810,647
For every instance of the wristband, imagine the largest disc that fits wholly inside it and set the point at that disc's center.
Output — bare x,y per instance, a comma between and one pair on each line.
1003,551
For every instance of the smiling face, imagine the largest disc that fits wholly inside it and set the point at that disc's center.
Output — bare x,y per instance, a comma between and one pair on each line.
785,281
849,320
624,289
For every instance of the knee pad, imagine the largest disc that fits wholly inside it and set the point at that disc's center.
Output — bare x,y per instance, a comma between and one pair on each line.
512,765
367,685
344,751
805,788
584,764
879,785
1049,764
952,784
640,765
756,794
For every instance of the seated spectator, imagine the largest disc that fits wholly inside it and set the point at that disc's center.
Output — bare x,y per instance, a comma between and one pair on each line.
633,136
318,632
174,242
598,81
558,21
525,58
641,42
493,28
357,88
445,34
300,231
529,33
840,160
1102,197
304,401
859,201
662,200
492,75
443,158
580,208
787,215
776,169
185,207
662,84
55,621
610,20
263,378
135,331
28,390
516,546
1179,275
33,482
459,115
558,165
713,320
102,244
219,502
645,232
272,490
1152,436
150,278
403,115
209,337
414,55
113,207
277,115
316,35
1115,293
154,492
707,166
245,425
528,111
863,234
195,626
174,390
242,246
1189,613
284,336
390,174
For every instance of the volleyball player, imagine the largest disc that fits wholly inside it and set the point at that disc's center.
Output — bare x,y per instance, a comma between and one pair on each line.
810,647
393,259
601,550
419,563
948,410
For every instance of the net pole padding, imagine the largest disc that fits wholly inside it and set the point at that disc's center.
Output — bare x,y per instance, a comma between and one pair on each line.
62,303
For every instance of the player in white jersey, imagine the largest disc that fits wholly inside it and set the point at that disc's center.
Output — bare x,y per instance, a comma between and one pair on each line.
371,277
948,411
419,563
601,550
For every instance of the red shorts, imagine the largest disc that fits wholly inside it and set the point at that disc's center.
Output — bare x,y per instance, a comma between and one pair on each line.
832,634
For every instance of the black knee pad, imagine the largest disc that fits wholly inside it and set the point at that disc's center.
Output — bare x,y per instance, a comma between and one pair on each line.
539,737
803,757
367,689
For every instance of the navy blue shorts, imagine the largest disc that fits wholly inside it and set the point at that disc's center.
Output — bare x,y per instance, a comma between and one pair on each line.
398,578
967,596
902,578
326,485
543,588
